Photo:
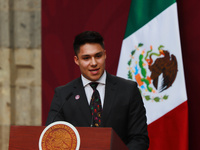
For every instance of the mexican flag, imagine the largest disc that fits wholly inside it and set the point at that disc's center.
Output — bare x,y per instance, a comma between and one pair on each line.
151,56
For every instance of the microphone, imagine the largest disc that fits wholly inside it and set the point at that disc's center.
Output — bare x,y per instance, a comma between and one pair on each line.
66,99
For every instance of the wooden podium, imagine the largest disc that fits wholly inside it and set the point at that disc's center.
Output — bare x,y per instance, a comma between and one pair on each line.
27,138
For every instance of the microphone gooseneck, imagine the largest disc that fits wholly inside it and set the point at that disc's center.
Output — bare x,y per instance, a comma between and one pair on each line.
91,125
70,94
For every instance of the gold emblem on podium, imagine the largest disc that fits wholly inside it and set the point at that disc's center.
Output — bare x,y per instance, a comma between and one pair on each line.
59,136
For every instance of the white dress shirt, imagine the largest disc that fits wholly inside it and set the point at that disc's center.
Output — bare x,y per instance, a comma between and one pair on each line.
100,87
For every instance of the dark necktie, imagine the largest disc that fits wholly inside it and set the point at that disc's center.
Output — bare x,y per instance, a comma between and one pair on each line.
95,105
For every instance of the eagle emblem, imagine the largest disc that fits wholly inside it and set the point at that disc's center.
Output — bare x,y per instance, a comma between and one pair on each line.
154,70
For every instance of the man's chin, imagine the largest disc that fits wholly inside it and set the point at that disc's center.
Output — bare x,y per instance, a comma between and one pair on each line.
94,77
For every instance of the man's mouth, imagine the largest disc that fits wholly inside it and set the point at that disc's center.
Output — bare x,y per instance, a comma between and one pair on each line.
94,71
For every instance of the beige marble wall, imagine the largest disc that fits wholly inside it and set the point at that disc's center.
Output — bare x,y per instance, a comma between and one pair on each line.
20,65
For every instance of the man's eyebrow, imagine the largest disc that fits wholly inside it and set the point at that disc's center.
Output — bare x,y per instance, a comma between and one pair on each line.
86,55
99,53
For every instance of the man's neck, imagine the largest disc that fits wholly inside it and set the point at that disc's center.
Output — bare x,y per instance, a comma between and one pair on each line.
101,80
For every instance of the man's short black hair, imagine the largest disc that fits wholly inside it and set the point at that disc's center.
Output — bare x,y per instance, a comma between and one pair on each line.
87,37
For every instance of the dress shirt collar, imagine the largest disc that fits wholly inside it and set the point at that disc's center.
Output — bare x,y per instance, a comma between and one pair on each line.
102,79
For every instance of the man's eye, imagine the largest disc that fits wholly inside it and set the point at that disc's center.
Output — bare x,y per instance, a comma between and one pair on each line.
85,58
98,56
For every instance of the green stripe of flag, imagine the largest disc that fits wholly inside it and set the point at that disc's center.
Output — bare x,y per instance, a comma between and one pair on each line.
142,11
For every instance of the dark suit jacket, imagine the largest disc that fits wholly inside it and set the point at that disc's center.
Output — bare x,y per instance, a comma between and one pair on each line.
123,109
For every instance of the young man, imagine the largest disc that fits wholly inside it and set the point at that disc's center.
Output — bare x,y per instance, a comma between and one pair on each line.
99,99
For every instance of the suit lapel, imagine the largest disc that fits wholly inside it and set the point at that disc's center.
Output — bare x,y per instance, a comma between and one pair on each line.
109,98
82,102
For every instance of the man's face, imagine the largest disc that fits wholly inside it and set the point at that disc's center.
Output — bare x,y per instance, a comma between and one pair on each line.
91,60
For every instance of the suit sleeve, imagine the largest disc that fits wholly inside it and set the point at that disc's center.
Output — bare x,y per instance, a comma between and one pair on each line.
55,113
137,126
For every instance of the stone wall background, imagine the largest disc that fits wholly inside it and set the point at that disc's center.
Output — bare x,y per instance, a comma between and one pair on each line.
20,65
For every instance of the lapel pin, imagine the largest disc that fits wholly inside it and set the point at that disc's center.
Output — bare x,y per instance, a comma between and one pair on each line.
77,97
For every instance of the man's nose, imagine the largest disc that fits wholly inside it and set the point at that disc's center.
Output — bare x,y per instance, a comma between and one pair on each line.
93,61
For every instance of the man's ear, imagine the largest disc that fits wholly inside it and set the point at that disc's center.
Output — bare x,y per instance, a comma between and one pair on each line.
105,53
76,60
